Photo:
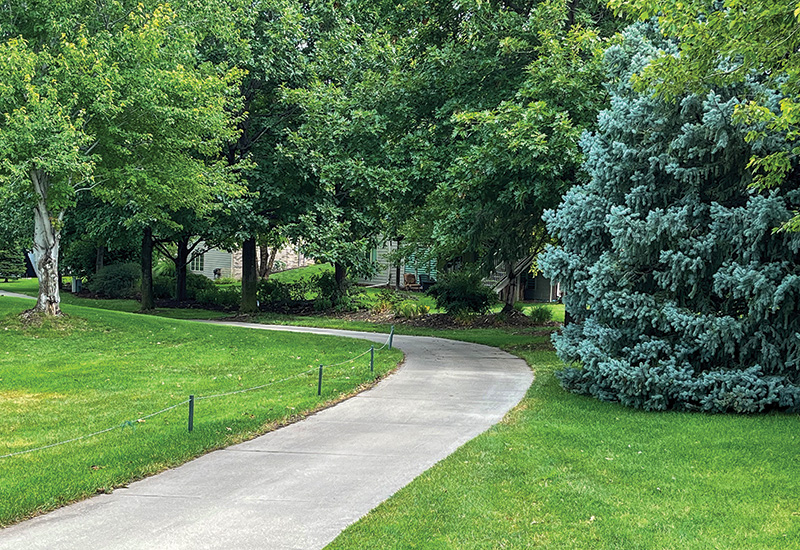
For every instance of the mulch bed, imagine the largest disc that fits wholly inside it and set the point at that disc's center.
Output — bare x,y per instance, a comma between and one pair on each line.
445,321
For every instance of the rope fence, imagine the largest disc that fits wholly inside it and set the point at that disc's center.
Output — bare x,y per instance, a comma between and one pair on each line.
192,399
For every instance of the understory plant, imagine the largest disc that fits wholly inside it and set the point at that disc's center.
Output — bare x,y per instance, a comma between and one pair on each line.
410,309
462,292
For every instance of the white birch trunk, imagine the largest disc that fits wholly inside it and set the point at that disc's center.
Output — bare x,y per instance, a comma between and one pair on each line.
46,241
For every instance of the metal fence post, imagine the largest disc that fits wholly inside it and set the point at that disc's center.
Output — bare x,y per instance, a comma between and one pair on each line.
372,359
191,412
391,336
319,384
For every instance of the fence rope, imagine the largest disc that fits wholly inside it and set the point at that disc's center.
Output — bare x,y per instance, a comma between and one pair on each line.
87,436
298,375
199,398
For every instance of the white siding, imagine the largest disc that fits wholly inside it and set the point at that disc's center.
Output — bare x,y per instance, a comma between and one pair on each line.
216,259
385,273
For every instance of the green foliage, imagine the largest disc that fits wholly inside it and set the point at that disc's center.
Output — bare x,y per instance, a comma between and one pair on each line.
113,99
323,304
12,264
387,299
227,281
163,287
410,309
539,315
483,114
462,292
683,294
197,283
117,281
79,258
226,298
724,42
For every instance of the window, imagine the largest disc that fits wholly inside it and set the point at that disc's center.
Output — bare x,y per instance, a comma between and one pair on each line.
198,263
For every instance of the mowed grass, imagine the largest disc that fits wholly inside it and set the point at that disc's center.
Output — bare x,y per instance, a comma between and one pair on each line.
568,472
30,287
103,369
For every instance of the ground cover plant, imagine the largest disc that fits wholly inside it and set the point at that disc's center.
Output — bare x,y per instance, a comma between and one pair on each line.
101,369
567,471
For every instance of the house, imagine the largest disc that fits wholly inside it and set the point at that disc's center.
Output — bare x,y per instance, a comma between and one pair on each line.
229,264
529,287
387,272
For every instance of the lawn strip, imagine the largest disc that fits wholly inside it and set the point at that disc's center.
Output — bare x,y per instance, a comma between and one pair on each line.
566,471
111,369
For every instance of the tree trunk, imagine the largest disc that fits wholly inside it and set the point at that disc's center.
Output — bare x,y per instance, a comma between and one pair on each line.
263,263
98,258
46,242
249,277
509,294
181,263
397,277
340,275
267,260
572,11
147,270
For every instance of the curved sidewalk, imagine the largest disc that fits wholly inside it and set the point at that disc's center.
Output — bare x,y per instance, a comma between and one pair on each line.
298,487
15,295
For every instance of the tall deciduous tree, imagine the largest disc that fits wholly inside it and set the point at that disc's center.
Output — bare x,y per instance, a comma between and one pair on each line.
684,295
479,120
111,99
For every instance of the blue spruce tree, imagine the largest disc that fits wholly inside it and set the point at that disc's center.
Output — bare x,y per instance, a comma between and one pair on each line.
684,296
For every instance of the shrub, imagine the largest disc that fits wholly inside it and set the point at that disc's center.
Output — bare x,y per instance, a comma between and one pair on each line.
322,304
321,288
540,315
274,292
386,300
410,309
227,281
196,283
326,287
117,281
461,291
163,287
227,298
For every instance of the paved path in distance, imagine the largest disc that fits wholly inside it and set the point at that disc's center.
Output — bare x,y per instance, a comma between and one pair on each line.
299,486
15,295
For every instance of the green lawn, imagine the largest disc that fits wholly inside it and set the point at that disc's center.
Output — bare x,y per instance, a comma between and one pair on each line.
569,472
295,274
561,471
104,369
30,287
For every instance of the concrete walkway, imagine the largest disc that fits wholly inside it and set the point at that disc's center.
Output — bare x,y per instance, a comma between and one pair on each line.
15,295
298,487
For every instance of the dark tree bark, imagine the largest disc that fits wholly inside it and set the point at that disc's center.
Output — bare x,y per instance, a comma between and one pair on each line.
266,260
397,277
99,258
148,302
340,275
181,268
249,277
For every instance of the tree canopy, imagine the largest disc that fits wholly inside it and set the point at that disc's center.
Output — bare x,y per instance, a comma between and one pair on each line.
723,42
109,99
